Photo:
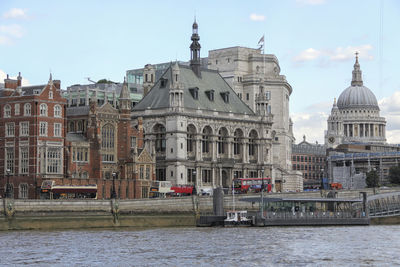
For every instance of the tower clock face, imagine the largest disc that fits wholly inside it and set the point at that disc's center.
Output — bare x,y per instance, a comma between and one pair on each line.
331,139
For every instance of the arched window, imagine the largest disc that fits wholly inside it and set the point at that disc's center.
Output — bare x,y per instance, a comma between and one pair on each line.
43,110
252,143
207,132
57,111
27,109
159,131
222,140
237,142
71,127
7,111
107,137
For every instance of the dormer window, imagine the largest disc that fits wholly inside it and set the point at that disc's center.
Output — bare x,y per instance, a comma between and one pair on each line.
194,92
163,82
210,95
225,96
36,92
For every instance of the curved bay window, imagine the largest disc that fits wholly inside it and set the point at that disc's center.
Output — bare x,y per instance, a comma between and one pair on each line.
107,142
191,141
206,140
222,141
237,142
159,131
253,145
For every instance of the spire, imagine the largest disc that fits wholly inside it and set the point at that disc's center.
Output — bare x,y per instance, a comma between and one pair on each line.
357,74
334,101
124,91
195,49
51,77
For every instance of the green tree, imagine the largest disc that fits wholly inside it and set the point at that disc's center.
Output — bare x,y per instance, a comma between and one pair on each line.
372,179
394,175
104,81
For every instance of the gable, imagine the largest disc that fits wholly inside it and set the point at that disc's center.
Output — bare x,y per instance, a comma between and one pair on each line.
144,157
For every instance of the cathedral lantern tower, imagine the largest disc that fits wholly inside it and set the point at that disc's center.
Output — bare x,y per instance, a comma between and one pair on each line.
195,50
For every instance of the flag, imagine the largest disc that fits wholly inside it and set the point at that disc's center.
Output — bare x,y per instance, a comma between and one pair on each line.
261,42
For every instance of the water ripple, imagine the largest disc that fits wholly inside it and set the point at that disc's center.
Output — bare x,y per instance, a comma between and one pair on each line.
275,246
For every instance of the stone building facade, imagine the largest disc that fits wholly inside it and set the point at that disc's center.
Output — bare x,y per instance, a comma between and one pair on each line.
355,117
32,135
200,130
356,137
255,77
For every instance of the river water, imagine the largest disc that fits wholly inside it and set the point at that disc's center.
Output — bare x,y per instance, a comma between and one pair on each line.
274,246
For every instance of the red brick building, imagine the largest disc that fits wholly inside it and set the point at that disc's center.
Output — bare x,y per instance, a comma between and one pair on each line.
32,136
102,142
41,140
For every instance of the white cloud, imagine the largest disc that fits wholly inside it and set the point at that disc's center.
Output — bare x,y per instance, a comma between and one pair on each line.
15,13
3,75
347,53
10,32
331,55
13,30
312,125
311,2
307,55
257,17
4,40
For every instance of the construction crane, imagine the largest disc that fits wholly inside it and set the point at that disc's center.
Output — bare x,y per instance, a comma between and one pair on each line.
88,78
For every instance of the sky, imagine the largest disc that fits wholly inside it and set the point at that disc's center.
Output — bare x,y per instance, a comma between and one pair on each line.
314,41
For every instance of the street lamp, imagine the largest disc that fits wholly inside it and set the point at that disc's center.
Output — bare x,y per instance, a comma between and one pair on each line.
113,194
7,194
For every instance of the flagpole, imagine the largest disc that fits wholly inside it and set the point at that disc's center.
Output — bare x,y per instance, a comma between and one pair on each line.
264,53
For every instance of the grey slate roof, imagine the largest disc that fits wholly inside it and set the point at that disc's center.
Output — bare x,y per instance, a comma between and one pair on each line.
76,137
158,97
78,111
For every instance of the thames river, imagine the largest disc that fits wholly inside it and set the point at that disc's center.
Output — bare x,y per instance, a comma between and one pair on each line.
275,246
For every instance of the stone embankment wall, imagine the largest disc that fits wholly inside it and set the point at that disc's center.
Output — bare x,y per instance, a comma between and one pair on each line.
59,214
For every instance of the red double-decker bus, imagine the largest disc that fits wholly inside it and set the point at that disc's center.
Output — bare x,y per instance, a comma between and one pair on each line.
245,185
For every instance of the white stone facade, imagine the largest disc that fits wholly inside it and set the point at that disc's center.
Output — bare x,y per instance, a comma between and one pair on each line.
255,76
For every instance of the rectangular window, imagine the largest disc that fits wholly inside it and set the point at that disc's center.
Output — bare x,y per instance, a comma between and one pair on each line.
57,129
268,95
24,128
247,96
10,129
24,160
191,176
23,191
10,159
161,174
206,176
43,129
54,164
147,173
141,172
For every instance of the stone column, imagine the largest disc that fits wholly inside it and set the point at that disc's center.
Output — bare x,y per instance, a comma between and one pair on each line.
214,151
245,154
197,148
229,144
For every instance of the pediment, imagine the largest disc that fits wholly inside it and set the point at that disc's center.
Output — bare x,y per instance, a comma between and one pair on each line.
144,157
107,108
